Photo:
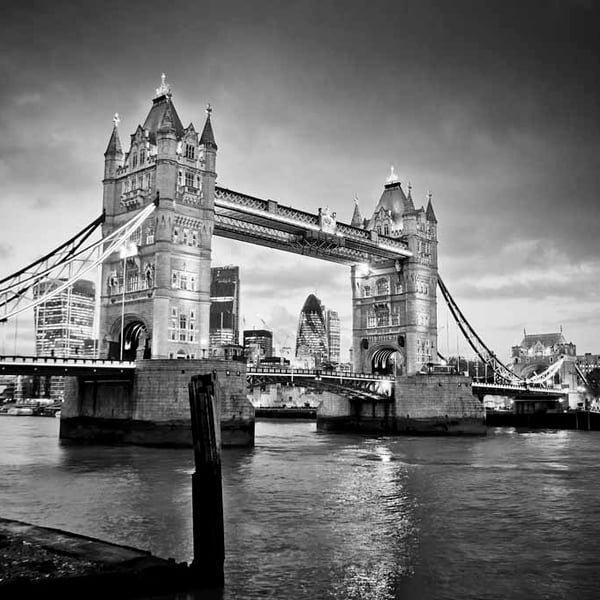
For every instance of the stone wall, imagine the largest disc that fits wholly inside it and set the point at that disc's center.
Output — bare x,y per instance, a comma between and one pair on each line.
422,404
154,408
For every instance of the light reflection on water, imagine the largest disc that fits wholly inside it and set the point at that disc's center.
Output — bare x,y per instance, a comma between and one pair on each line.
315,515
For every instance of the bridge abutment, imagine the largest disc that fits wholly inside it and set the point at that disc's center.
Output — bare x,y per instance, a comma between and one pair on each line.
153,408
422,404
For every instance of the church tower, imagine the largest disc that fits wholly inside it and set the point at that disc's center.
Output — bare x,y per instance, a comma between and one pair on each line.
155,298
394,317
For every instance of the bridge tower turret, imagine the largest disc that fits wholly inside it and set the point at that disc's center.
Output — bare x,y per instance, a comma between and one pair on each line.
394,301
155,303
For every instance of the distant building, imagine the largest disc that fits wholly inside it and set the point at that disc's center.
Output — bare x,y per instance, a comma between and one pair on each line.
332,326
539,351
64,324
64,327
224,306
258,344
588,362
311,340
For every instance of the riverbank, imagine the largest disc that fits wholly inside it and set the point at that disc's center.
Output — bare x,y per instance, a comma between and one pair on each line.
40,562
579,420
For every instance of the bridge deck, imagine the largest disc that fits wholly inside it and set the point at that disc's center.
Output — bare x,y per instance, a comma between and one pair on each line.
66,367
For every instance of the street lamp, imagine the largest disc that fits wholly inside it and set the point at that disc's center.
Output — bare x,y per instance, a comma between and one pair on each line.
126,251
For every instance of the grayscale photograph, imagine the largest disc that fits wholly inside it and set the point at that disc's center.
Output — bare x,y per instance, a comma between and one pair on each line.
300,300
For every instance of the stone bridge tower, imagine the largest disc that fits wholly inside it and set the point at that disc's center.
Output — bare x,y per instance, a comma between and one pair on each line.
155,302
394,316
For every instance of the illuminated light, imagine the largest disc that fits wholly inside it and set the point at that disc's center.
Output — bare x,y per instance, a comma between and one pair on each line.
362,270
128,249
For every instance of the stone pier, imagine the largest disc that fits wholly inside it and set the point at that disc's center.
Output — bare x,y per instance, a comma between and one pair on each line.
422,404
153,407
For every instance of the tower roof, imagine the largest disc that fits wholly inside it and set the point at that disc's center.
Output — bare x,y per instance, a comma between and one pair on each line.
155,117
393,200
546,339
114,144
429,214
208,138
356,216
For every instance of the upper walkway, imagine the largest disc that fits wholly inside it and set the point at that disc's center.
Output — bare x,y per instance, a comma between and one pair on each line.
268,223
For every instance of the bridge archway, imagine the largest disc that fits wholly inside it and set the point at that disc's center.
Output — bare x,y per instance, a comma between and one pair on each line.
531,369
387,360
135,340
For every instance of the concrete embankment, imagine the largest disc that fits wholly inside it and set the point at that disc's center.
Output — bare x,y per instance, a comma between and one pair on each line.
40,562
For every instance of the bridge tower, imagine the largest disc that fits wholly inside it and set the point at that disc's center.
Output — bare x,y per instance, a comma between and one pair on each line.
155,296
394,304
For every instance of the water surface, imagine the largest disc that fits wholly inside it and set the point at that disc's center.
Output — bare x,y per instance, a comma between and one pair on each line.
338,516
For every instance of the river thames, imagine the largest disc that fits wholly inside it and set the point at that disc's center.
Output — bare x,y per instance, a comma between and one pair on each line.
311,515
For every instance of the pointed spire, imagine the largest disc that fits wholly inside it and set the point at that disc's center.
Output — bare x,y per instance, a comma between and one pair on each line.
208,138
393,178
167,123
429,214
409,198
114,144
164,89
357,220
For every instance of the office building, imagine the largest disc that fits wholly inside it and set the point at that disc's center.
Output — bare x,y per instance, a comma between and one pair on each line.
224,306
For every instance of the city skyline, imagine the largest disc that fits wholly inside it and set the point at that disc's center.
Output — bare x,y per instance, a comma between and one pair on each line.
493,108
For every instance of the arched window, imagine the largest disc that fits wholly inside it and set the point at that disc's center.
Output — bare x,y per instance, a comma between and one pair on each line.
383,317
367,290
182,327
190,151
383,286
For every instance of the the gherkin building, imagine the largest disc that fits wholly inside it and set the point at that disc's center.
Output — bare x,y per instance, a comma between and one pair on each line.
311,341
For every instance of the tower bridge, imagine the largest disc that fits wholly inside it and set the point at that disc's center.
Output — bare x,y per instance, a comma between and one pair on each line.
161,207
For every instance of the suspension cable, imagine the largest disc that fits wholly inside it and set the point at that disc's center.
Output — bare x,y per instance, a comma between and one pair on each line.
110,242
478,345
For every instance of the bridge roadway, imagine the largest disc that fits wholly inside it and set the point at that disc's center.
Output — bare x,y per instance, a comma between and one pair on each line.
507,389
354,386
358,386
65,367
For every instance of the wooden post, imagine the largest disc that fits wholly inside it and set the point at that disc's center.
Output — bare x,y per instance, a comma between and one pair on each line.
207,494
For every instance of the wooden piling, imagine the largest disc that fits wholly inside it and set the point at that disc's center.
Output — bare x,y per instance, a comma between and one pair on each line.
207,493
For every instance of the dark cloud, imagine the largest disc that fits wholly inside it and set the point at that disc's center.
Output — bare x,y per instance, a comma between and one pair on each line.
493,105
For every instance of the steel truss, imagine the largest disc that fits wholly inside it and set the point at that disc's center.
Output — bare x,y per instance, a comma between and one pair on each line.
267,223
359,391
68,263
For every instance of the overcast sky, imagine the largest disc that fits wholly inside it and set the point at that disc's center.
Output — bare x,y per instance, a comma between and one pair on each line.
494,106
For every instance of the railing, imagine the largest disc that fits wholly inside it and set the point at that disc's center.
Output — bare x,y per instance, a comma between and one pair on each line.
61,361
317,373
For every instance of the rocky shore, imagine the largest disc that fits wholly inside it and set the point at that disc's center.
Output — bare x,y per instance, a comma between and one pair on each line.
39,561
